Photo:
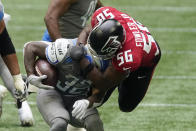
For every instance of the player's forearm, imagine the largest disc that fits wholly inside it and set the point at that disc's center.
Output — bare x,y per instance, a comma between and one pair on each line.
96,98
100,83
29,58
53,27
84,35
12,63
55,10
31,51
99,4
99,90
2,26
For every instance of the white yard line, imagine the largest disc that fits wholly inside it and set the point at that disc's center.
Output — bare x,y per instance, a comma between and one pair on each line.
166,105
168,52
159,8
115,104
157,105
175,77
178,30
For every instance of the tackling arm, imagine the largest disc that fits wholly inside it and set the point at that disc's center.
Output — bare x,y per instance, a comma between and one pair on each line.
82,38
102,81
99,4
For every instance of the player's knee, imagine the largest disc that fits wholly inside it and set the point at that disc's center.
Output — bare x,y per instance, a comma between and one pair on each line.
124,107
59,124
93,123
26,44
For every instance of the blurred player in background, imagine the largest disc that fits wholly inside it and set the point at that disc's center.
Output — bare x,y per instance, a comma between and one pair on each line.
55,105
133,55
10,74
67,18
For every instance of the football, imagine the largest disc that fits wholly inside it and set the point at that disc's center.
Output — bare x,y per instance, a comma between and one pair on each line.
43,67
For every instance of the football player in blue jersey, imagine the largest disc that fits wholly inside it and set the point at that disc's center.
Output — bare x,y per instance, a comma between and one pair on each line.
67,18
56,104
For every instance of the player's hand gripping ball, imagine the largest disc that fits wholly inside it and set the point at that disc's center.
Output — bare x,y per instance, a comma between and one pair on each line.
43,67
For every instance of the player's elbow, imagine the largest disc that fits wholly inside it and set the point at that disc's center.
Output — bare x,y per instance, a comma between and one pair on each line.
27,46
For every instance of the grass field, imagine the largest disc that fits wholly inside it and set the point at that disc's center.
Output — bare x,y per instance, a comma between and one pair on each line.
170,103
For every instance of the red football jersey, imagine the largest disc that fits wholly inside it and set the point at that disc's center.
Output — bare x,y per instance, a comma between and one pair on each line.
139,48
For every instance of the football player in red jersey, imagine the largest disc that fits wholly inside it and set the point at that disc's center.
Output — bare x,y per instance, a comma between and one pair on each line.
133,54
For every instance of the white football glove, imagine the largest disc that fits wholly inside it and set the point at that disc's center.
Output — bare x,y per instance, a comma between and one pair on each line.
57,51
37,81
21,88
79,108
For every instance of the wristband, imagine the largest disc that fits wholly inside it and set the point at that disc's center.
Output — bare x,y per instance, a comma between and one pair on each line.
17,77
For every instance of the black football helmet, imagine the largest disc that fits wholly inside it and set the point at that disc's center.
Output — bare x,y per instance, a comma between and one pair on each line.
106,38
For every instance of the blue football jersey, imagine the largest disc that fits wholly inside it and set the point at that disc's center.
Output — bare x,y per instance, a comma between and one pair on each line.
1,11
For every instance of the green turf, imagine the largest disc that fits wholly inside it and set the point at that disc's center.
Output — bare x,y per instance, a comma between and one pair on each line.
172,23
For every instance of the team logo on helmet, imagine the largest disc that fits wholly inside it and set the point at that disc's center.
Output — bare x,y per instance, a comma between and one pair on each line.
111,45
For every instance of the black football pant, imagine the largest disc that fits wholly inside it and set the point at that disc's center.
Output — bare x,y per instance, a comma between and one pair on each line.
132,90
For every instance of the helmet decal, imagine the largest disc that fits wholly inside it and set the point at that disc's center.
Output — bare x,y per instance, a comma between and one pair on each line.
106,38
111,45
